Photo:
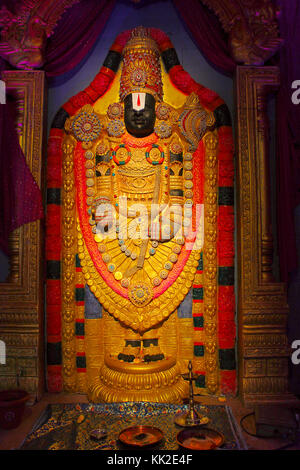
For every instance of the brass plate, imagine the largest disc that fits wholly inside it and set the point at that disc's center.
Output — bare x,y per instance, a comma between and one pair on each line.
141,436
199,439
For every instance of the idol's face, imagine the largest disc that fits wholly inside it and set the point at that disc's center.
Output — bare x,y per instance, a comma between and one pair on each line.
139,123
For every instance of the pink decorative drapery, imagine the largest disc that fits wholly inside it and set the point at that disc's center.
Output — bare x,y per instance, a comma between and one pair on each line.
20,196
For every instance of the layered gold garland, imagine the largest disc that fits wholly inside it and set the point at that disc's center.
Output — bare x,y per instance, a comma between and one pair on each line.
210,281
154,314
69,245
140,319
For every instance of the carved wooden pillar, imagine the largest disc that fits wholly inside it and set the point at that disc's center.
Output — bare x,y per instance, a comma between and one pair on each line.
262,304
21,297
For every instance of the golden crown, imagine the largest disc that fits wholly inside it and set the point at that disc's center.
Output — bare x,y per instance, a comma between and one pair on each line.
141,70
141,40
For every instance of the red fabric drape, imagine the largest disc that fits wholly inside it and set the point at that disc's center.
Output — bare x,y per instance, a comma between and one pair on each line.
20,196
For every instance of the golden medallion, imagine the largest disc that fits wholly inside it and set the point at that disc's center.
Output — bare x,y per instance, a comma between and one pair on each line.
140,294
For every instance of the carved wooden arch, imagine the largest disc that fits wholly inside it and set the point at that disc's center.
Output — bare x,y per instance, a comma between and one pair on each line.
251,26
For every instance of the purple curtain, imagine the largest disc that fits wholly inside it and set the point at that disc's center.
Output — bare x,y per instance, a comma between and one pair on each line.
288,137
75,35
20,196
207,33
211,40
73,38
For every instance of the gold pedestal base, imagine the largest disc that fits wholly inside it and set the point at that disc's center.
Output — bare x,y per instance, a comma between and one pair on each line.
159,382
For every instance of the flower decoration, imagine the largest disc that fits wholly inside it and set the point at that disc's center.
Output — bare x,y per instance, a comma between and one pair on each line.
86,127
163,130
121,154
140,294
115,128
155,154
138,77
176,148
115,111
101,149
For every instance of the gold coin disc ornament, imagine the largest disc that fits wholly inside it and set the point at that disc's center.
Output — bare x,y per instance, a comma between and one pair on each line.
140,294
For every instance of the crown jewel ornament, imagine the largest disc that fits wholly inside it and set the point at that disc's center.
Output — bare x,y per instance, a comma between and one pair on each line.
141,71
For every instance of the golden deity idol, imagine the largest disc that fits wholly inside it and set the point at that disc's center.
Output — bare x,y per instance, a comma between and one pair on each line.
140,218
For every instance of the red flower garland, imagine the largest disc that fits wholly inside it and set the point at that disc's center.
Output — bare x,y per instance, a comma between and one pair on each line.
209,100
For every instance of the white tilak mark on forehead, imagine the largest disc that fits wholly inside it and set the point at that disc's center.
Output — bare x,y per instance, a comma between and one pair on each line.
138,101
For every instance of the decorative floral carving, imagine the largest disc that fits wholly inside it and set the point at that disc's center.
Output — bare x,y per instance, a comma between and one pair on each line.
86,126
26,29
115,128
115,111
251,25
163,130
140,294
252,28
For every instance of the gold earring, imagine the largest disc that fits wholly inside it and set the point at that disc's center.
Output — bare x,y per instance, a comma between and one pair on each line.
162,112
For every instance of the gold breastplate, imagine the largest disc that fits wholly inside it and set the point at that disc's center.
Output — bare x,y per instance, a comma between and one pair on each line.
136,179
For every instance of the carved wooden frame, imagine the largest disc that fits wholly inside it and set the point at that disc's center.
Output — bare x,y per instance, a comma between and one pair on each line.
21,297
262,303
251,25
